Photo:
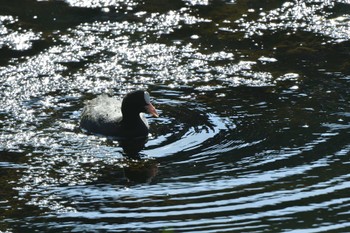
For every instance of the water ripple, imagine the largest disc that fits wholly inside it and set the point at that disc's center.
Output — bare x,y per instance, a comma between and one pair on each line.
253,126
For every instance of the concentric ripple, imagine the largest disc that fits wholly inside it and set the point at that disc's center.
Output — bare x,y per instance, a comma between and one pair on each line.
253,133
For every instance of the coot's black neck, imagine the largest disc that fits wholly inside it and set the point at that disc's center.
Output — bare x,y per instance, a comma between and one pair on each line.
132,105
134,125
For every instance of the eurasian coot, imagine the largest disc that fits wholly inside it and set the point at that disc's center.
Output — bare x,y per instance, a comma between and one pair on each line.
121,119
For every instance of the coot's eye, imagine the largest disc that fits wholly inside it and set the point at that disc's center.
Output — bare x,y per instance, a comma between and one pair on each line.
147,98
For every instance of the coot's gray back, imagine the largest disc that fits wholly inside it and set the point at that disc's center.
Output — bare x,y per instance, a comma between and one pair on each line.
101,115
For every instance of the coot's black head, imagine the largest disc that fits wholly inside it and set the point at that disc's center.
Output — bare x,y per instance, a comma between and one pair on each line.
136,102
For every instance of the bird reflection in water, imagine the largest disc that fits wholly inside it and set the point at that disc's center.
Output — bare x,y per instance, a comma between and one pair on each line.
137,169
133,168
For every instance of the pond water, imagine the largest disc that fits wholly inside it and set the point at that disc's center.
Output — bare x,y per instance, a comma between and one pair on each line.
253,133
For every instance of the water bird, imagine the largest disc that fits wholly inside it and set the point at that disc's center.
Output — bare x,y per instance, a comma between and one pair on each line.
124,119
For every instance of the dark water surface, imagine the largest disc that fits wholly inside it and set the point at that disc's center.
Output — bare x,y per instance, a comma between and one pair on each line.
253,134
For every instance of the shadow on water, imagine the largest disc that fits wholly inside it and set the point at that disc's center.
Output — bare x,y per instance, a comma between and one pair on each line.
131,172
137,169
